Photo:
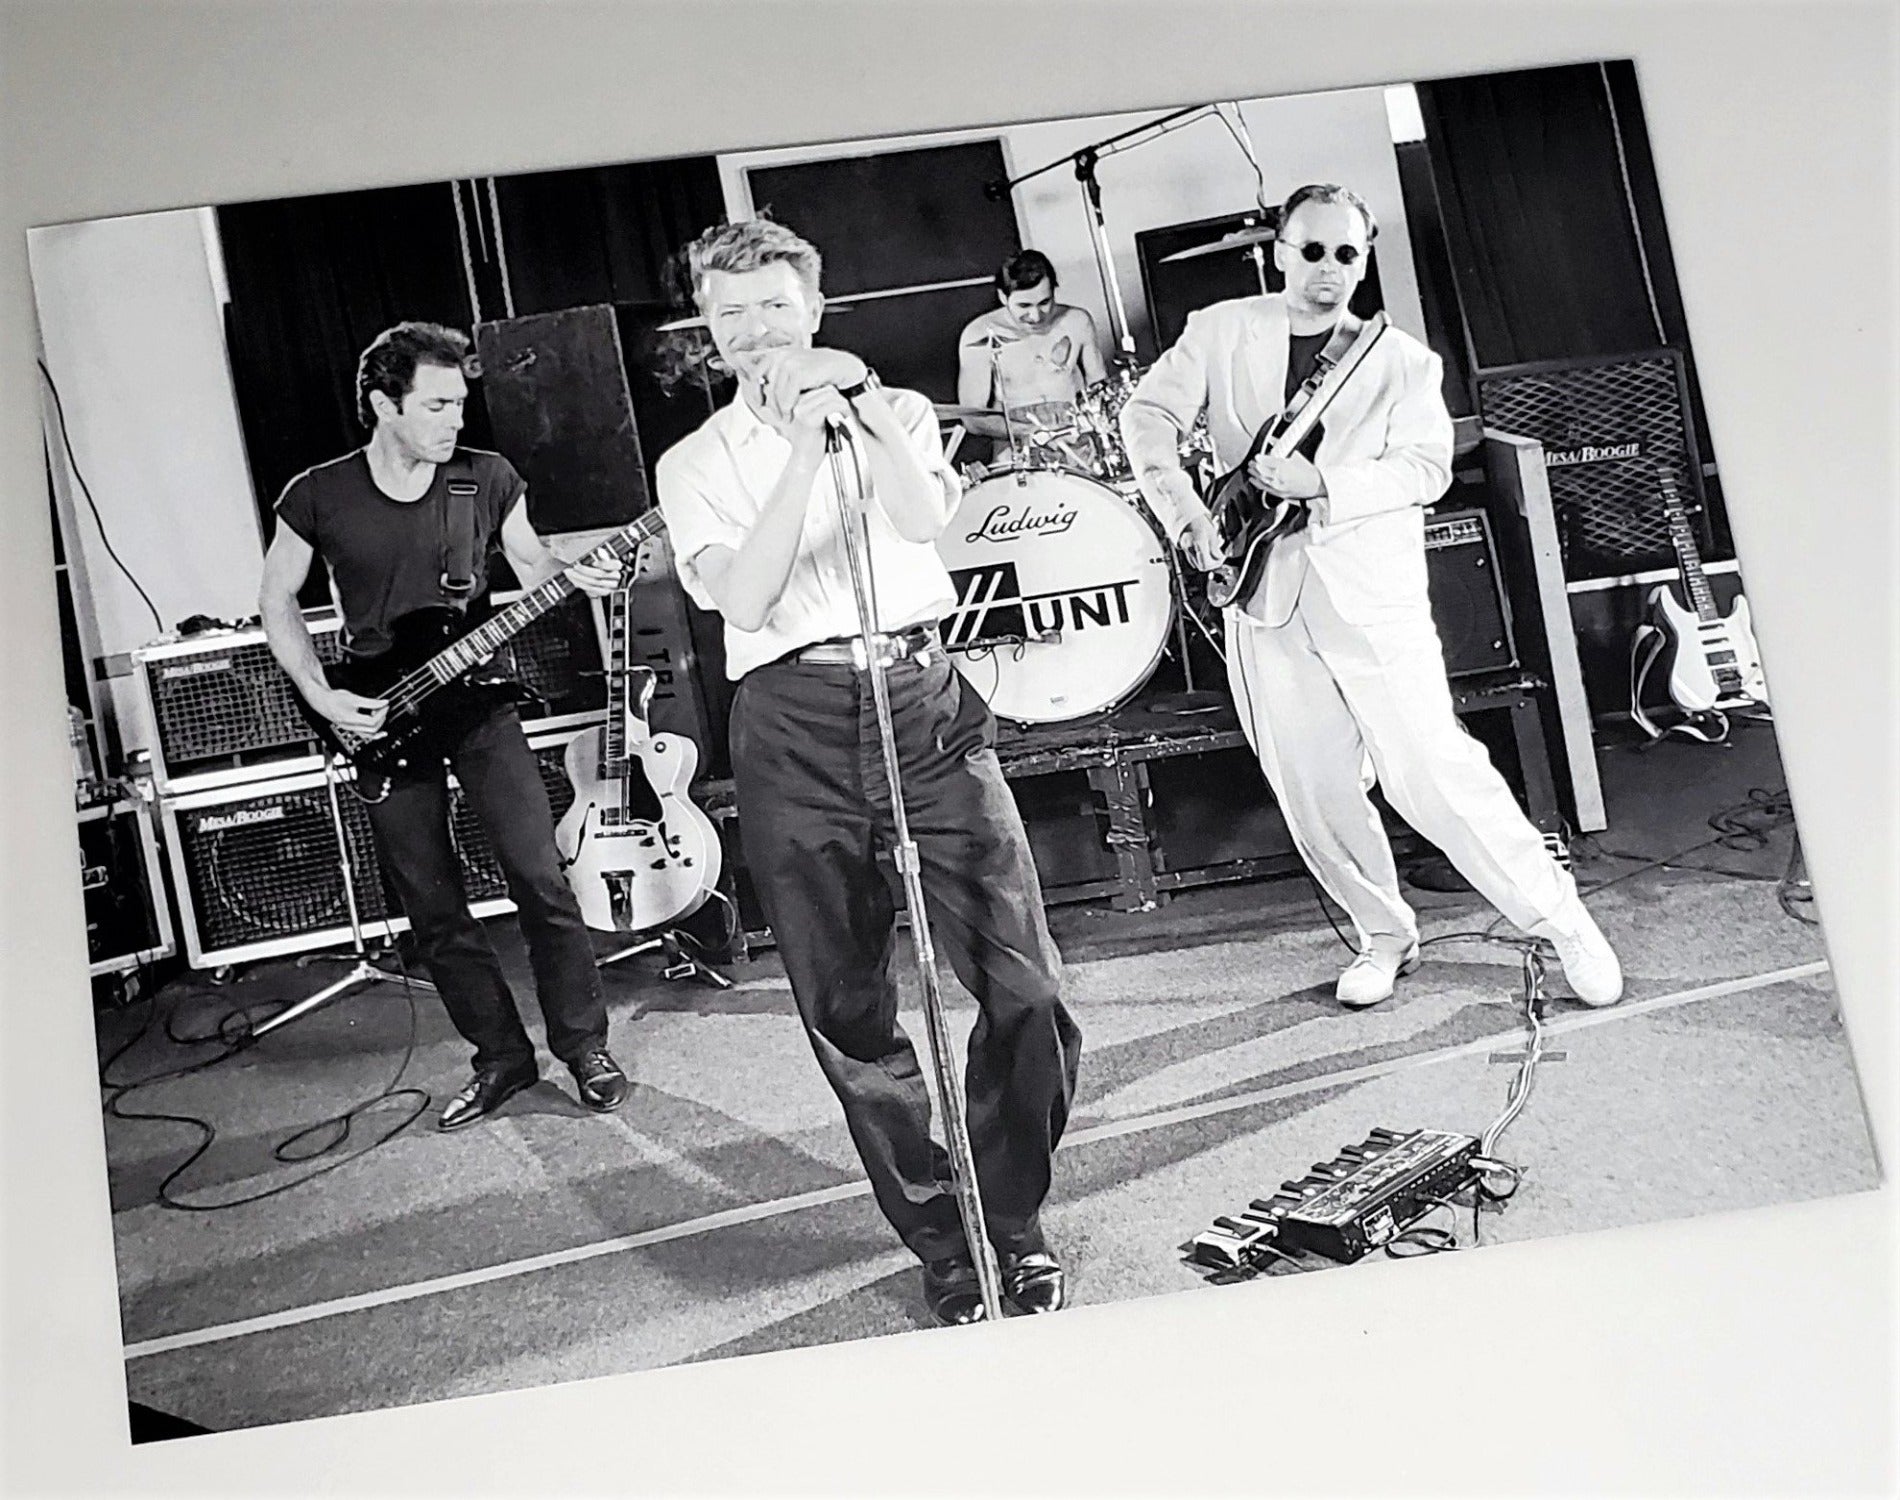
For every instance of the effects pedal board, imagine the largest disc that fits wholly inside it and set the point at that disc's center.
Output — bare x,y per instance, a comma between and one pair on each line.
1345,1208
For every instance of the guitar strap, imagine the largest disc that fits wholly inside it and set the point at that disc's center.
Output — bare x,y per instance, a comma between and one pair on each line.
1345,331
458,530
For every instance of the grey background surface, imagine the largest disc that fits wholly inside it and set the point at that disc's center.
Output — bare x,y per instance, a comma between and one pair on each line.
1747,1353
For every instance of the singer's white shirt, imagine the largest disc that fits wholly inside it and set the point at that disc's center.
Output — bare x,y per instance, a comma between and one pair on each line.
714,483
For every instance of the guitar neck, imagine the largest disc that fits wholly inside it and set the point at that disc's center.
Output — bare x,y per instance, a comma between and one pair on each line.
613,745
1688,555
492,634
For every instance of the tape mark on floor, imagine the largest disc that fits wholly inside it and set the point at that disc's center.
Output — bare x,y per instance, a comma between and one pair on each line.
752,1213
1484,1044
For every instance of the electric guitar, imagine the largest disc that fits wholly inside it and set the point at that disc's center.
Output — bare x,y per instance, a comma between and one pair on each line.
1250,520
1712,659
637,851
439,676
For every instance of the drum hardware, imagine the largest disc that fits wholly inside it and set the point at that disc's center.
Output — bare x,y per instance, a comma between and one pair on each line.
854,517
1085,161
1253,238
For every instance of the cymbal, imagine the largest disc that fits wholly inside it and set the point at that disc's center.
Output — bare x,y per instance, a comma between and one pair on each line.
696,321
1236,239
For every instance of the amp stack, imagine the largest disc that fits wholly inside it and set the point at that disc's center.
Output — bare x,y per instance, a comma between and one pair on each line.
254,851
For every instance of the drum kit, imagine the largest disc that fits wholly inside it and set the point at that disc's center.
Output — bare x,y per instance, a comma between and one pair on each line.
1067,590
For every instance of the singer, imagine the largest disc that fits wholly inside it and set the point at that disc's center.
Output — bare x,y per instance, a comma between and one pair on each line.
755,523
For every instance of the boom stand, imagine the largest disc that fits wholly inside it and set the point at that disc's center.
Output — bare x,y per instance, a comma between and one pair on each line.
852,503
362,971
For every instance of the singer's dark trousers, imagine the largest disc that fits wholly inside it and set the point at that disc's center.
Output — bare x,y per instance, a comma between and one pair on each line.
498,775
817,824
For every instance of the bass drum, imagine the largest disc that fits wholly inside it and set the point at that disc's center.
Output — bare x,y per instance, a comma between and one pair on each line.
1064,596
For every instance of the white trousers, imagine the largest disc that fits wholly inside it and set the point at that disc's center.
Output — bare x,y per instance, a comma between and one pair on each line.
1332,707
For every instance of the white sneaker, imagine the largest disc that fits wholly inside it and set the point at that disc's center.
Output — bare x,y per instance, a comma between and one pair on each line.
1369,977
1588,960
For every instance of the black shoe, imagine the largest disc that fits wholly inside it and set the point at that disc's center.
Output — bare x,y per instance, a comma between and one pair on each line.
486,1092
951,1291
602,1085
1034,1282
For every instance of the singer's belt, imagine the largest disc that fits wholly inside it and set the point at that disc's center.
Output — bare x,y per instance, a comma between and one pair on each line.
914,644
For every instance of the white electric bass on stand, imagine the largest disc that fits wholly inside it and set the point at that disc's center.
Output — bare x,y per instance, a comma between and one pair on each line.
1710,660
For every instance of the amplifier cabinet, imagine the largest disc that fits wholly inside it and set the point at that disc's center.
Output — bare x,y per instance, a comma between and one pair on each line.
1607,424
224,713
258,867
220,707
1469,604
128,918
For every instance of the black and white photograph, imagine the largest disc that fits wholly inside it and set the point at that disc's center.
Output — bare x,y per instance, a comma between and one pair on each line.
823,743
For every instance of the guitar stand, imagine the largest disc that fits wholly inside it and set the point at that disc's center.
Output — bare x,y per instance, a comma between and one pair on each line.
672,945
362,971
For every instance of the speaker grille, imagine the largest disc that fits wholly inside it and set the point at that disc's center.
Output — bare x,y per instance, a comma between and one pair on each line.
1604,426
264,866
223,704
557,658
481,871
260,865
229,702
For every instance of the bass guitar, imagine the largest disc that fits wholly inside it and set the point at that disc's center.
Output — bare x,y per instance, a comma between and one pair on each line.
637,851
1250,520
1709,659
440,678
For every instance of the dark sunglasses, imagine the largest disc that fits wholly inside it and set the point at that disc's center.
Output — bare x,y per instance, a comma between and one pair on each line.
1314,252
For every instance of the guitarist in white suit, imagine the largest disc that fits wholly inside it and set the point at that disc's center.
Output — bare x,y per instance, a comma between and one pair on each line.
1333,658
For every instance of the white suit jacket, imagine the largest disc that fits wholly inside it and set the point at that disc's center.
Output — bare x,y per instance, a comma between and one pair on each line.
1385,453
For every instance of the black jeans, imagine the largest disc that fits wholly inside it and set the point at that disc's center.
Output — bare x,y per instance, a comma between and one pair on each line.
502,783
815,815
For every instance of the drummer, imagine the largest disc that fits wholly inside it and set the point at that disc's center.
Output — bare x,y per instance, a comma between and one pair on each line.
1027,358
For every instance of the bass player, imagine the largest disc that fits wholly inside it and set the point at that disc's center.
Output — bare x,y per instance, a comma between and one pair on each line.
406,523
1333,659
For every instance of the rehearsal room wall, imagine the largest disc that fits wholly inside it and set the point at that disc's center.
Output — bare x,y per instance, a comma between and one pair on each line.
131,324
1196,171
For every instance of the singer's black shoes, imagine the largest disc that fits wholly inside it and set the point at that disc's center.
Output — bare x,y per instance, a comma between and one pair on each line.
1034,1282
951,1291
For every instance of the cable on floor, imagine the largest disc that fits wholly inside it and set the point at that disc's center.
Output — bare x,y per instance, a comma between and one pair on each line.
234,1030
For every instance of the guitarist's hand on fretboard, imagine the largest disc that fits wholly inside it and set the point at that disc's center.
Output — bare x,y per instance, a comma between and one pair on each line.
596,577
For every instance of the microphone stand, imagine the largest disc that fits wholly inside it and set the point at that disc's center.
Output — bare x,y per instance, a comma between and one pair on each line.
1085,161
852,507
362,971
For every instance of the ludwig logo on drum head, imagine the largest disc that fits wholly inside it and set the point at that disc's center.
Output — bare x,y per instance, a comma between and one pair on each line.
1008,522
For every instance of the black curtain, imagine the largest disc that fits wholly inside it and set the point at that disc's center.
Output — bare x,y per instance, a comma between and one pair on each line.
1536,217
603,234
1553,224
312,281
